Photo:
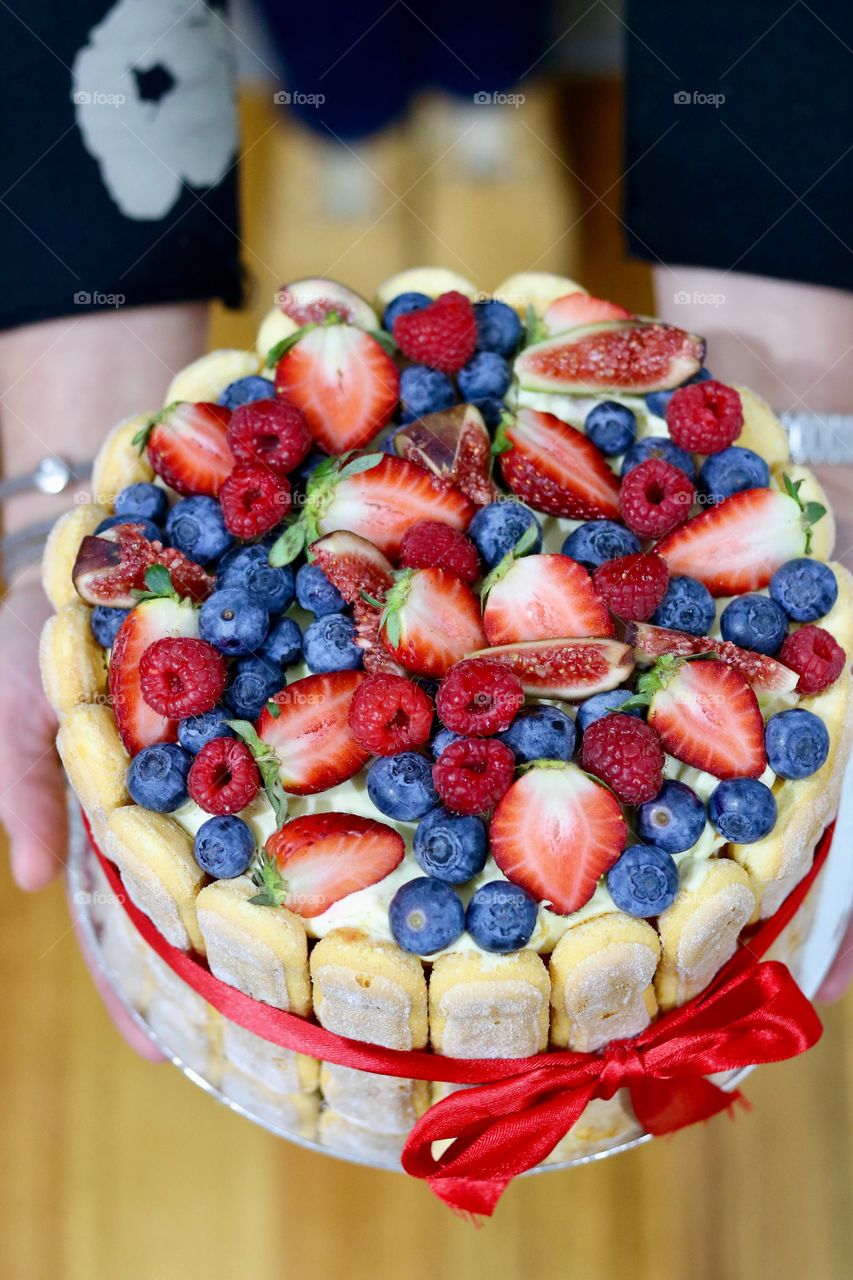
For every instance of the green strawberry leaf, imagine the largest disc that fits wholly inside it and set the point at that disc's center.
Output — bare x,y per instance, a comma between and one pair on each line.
269,767
365,463
534,329
274,709
521,548
501,442
141,437
385,341
158,581
267,877
281,348
289,544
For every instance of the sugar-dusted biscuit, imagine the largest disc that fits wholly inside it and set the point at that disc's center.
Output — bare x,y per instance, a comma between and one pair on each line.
699,932
207,377
429,280
60,551
489,1006
762,431
604,1123
155,857
345,1135
811,490
537,289
119,462
262,951
94,759
388,1104
290,1113
186,1025
602,972
73,666
122,948
282,1070
274,327
371,991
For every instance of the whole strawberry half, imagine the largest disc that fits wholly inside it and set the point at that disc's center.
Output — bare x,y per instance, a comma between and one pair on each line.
188,447
345,384
455,445
567,669
431,619
442,335
762,672
310,732
322,857
111,567
139,725
556,832
555,468
542,597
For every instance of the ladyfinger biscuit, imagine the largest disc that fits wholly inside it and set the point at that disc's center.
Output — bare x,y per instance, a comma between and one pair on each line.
127,957
811,490
602,972
489,1006
183,1021
342,1134
537,289
762,431
604,1123
94,759
281,1070
73,670
387,1104
274,327
371,991
262,951
119,463
429,280
699,932
158,870
60,552
208,376
293,1112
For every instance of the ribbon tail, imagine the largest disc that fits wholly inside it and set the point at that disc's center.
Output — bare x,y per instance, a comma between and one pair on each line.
663,1106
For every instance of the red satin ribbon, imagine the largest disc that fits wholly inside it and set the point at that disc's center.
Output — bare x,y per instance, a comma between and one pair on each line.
520,1108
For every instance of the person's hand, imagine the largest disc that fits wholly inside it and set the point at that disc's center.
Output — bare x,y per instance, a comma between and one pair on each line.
840,975
32,803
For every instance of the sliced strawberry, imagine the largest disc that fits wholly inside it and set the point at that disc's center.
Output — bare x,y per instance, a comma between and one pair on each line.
343,382
707,715
543,598
762,672
431,620
616,355
188,447
455,446
555,468
575,309
555,833
322,857
111,566
738,544
353,565
138,724
565,668
311,735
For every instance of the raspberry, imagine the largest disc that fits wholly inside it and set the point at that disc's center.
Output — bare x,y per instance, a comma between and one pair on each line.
655,498
442,335
625,753
269,431
389,714
632,586
224,777
471,774
704,417
181,677
815,655
477,697
254,499
430,544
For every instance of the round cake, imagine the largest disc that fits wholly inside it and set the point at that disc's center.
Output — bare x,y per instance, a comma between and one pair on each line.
460,671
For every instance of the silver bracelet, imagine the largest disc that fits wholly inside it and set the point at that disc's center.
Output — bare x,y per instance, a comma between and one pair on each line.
819,438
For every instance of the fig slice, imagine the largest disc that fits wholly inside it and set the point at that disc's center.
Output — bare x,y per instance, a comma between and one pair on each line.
455,446
628,356
311,300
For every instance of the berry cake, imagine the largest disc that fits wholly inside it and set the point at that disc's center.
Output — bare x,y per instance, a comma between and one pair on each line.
461,671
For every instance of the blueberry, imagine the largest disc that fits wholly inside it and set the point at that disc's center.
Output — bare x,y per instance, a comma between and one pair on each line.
105,623
600,704
597,541
742,809
540,733
315,592
657,401
674,820
498,328
425,916
424,390
754,622
496,529
491,410
658,447
687,606
249,568
401,786
196,731
143,499
157,777
797,743
442,739
806,589
283,645
403,305
731,471
485,374
232,621
196,526
149,530
253,683
612,427
330,644
644,881
224,847
501,917
450,846
247,391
